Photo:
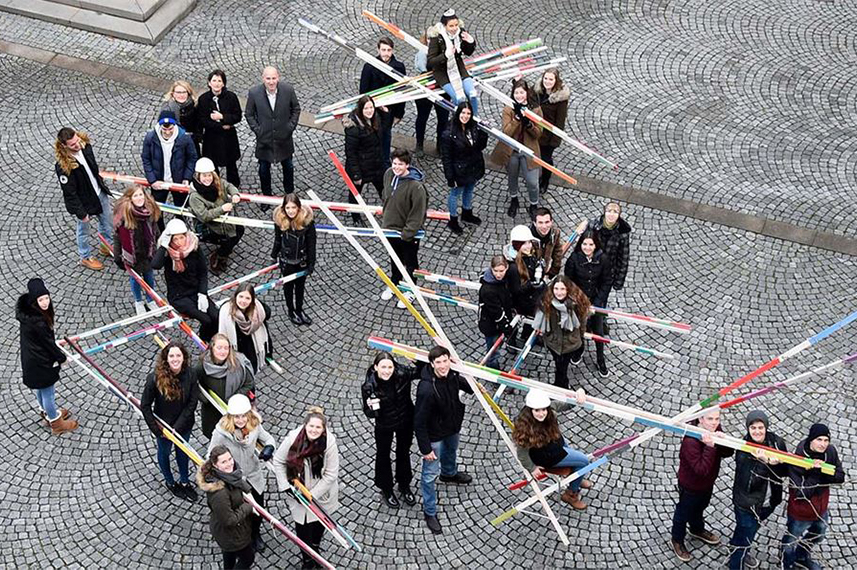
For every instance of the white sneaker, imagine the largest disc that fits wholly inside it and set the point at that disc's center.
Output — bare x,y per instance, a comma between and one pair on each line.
140,308
386,294
409,296
151,305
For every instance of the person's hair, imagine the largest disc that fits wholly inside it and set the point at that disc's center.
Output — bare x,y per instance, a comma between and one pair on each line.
437,352
386,42
588,234
180,83
316,412
612,203
499,260
578,297
168,384
233,302
456,121
227,422
65,134
301,220
402,154
383,356
542,211
213,456
522,83
231,360
444,19
216,181
126,208
523,272
530,432
303,449
47,314
374,123
220,73
555,72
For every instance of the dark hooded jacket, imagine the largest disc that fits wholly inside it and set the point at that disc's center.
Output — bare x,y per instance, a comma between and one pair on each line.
809,493
182,159
405,203
616,243
461,152
397,407
495,304
699,464
439,411
230,521
593,277
753,478
40,355
363,155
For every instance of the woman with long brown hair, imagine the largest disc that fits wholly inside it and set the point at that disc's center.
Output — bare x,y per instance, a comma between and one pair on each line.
525,276
225,372
171,393
553,101
135,225
364,154
243,319
561,320
294,250
309,454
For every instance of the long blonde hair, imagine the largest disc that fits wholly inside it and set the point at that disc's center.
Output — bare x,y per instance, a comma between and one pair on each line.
168,96
301,220
125,207
227,422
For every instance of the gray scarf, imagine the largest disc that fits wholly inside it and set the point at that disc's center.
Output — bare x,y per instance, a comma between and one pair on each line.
568,320
234,378
236,478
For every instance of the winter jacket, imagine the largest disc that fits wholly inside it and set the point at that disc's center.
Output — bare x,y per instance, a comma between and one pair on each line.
131,246
230,521
80,198
495,304
550,454
549,248
372,79
218,143
439,411
177,413
752,479
273,129
461,153
206,211
324,489
436,57
207,412
554,108
699,464
563,341
182,159
363,155
514,128
40,355
616,244
809,492
244,452
189,283
526,296
593,277
405,202
396,407
295,247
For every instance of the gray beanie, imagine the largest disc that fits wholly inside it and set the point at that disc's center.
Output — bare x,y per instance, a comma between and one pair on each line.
755,416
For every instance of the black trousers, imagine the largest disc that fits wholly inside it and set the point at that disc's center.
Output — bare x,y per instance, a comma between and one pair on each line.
224,244
689,511
377,182
423,112
207,320
178,197
256,522
294,290
239,560
547,155
383,444
408,252
561,362
232,175
595,324
310,533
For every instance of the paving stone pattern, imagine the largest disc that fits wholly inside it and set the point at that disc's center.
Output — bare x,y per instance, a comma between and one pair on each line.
94,498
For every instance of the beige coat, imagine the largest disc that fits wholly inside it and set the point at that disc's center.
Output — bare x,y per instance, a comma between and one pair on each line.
325,490
513,127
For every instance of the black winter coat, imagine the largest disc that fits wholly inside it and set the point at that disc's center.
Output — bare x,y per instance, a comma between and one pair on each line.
550,454
219,144
397,408
363,158
438,412
436,56
616,244
295,247
461,152
593,277
230,521
190,282
273,129
495,304
80,198
40,355
526,296
752,479
177,413
372,79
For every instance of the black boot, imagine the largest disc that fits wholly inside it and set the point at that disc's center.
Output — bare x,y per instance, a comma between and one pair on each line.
512,211
468,217
453,225
532,211
357,220
294,317
303,317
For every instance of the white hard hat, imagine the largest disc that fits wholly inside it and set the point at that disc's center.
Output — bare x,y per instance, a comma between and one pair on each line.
204,165
174,227
238,404
537,400
521,233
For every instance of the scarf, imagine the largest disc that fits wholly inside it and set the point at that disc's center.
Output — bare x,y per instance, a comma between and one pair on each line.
303,449
568,320
178,255
609,226
167,148
253,328
208,191
234,378
235,479
177,108
127,237
453,47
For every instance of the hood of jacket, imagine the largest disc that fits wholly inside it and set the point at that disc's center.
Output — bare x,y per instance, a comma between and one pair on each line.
510,253
622,226
65,158
172,138
488,277
563,94
27,313
209,487
434,30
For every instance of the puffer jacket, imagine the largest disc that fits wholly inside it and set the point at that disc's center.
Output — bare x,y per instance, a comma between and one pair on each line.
230,521
40,355
396,406
495,304
526,296
363,155
190,282
461,153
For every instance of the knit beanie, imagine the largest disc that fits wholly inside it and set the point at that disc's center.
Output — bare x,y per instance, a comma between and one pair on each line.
818,430
35,289
756,416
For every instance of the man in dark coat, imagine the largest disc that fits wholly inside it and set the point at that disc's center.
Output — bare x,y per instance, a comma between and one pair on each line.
84,192
437,422
169,157
272,112
372,79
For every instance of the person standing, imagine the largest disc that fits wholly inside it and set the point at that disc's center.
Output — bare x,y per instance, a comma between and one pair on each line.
181,100
135,225
218,111
386,398
448,44
548,241
561,320
526,277
405,206
424,105
495,307
210,198
364,156
310,455
437,423
809,499
84,192
614,235
553,101
294,250
699,465
756,476
243,319
463,164
240,431
272,113
40,356
169,157
372,79
225,373
170,393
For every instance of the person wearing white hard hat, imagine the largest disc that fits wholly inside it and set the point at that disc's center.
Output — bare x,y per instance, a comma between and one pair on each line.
525,276
186,276
239,431
135,225
541,447
212,197
224,372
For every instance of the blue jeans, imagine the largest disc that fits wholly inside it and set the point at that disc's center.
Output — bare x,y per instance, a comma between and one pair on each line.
469,92
799,537
518,164
137,291
454,193
746,526
105,227
288,176
164,448
494,361
574,459
47,402
445,465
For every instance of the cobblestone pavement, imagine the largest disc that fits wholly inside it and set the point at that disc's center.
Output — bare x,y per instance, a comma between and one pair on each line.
93,499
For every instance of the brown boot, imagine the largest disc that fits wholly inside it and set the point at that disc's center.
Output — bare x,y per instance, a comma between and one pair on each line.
92,263
573,499
64,415
59,426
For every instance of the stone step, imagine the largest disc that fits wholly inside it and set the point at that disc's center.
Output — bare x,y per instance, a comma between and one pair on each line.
143,21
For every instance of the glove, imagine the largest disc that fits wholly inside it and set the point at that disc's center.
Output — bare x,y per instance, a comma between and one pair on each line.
202,302
525,122
164,240
518,110
450,183
267,453
119,263
538,273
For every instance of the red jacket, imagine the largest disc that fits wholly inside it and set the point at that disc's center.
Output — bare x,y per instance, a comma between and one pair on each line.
699,464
